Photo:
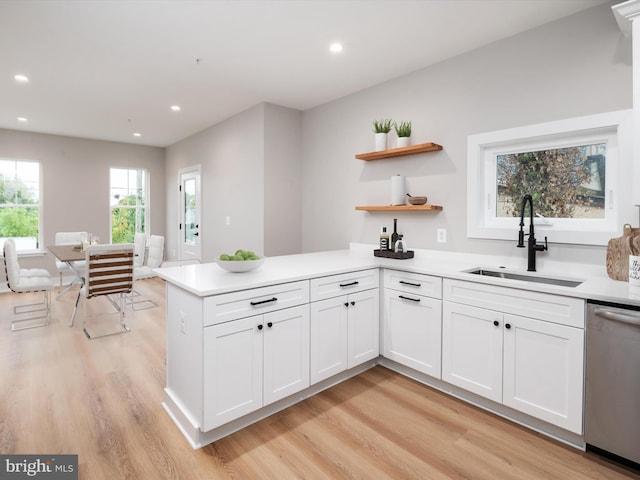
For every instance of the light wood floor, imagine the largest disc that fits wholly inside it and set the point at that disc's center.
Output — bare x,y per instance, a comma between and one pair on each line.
101,399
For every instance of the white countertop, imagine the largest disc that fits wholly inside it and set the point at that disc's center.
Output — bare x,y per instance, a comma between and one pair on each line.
209,279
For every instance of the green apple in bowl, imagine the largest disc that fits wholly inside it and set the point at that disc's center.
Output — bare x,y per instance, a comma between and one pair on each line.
240,261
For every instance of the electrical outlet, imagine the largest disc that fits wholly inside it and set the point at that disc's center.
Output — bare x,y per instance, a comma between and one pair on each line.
183,323
442,235
227,220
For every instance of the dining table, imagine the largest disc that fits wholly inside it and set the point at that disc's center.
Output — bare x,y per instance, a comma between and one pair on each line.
70,254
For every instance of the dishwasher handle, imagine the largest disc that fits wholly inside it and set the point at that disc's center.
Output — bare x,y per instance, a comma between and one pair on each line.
626,318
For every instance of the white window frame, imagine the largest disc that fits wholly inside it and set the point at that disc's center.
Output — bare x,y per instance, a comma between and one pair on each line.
19,247
612,128
147,184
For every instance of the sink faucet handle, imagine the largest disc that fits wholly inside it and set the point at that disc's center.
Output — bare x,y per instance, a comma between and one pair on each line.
542,248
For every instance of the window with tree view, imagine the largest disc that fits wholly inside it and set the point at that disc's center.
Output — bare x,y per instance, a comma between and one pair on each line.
20,202
567,182
129,201
577,170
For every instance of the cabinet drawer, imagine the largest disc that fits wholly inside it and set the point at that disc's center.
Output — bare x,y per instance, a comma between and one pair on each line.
413,283
551,308
230,306
335,285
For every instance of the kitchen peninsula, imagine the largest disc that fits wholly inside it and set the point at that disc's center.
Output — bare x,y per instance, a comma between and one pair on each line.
241,347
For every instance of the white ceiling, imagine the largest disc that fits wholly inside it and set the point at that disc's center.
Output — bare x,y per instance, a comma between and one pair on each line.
105,69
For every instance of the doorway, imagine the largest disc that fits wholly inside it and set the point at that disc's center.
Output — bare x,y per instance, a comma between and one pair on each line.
190,217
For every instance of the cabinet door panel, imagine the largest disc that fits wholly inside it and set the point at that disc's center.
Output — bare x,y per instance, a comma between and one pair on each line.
364,327
328,338
412,331
286,352
543,370
472,349
232,371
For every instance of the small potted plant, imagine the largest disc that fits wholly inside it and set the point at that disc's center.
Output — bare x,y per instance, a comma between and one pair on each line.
403,129
381,128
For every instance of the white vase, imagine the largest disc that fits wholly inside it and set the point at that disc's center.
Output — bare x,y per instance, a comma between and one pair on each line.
403,142
381,142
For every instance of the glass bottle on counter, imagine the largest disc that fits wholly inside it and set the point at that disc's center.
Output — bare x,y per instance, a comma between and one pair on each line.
384,239
394,235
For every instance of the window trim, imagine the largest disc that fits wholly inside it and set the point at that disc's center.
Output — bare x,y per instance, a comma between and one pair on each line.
147,186
482,148
39,250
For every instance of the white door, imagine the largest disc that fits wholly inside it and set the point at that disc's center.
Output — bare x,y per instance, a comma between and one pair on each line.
472,349
286,352
190,217
543,370
328,337
364,327
413,331
233,354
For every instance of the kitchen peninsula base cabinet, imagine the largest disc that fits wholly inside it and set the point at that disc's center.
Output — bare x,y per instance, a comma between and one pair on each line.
412,324
519,348
253,362
237,357
344,326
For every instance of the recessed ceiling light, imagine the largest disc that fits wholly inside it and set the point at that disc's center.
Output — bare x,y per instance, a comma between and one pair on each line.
335,47
23,119
21,78
175,108
136,134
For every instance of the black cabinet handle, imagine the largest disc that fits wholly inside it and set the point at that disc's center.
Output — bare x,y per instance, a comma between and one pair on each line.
507,326
349,284
260,327
346,304
409,298
269,324
410,284
496,323
353,303
274,299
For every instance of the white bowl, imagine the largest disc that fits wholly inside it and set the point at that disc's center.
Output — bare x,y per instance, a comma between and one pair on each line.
240,266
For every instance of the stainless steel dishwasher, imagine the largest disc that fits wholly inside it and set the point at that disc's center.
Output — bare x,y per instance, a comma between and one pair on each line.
612,404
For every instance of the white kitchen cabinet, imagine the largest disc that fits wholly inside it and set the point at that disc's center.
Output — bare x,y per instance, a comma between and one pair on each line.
254,361
344,328
529,363
412,323
472,349
543,370
286,353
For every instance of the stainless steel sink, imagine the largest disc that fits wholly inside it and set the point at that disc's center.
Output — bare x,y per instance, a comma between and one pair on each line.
562,282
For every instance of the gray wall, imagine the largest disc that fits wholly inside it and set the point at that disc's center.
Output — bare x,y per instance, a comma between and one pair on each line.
250,172
576,66
75,189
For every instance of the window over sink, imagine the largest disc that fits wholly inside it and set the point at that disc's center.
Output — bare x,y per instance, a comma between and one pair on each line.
577,170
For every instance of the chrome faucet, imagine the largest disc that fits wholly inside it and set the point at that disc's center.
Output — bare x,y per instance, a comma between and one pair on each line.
532,247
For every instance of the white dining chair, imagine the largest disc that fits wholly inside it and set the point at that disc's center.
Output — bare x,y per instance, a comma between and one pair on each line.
69,238
153,260
27,280
139,249
155,256
109,274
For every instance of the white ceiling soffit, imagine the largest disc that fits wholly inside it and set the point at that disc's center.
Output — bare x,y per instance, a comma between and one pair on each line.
106,69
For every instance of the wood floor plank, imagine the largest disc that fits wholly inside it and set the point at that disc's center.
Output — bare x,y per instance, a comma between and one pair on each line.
101,399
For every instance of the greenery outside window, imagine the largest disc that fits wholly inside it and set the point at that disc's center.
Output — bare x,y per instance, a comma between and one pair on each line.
579,172
129,200
20,203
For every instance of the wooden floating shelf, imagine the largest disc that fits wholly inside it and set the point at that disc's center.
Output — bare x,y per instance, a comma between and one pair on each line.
399,208
399,152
